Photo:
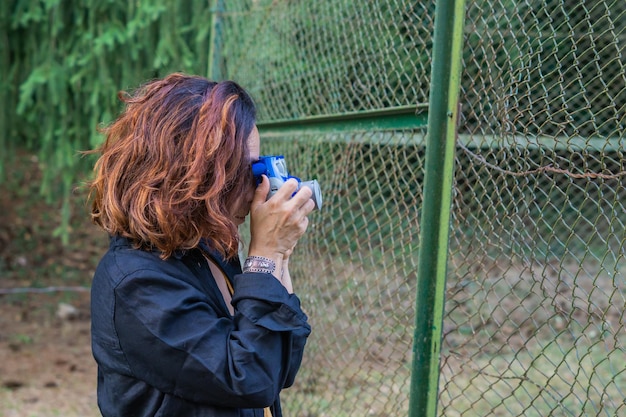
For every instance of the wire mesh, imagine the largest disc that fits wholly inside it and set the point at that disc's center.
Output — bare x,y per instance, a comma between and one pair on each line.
534,320
535,305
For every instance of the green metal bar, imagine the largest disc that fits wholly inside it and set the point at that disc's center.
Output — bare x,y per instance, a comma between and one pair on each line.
435,221
393,118
215,69
555,143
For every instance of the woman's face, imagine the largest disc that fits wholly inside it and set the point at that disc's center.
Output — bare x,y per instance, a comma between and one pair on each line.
241,207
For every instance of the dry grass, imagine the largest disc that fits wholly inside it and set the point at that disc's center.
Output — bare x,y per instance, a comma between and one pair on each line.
524,341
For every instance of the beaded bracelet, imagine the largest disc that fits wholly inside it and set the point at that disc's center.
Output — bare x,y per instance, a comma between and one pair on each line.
259,264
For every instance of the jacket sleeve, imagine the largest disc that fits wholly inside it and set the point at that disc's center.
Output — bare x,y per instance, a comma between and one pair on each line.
275,310
174,338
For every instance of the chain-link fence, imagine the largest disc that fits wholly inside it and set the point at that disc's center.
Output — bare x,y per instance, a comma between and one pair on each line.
534,315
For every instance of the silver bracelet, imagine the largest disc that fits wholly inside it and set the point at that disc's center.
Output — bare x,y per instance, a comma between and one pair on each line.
259,264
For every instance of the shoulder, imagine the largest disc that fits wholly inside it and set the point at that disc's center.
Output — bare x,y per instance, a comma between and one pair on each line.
122,262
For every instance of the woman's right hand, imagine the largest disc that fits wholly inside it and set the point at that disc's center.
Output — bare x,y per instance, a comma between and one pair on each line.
278,223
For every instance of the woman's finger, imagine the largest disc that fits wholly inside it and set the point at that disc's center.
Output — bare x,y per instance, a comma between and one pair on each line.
303,195
260,194
286,190
307,207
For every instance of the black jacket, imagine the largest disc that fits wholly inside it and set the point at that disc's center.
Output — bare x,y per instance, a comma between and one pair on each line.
166,344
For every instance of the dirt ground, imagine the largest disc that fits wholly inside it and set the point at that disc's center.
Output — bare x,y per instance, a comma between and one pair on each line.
46,366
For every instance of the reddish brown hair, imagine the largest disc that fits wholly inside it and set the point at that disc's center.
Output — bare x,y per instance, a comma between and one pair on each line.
173,163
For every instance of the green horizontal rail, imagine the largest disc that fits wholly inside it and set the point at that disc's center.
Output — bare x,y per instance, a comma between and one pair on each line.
382,123
394,118
561,142
475,142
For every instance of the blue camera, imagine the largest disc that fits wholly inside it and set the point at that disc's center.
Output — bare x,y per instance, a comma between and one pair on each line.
275,168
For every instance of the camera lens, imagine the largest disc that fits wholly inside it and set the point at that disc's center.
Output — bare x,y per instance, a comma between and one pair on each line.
317,192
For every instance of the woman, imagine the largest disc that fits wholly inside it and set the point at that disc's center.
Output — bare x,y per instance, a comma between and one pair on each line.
178,329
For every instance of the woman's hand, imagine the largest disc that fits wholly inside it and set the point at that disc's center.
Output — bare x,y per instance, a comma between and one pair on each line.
278,223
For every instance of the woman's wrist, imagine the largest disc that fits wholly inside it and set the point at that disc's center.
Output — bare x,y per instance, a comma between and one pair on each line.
258,261
274,264
261,264
285,277
277,257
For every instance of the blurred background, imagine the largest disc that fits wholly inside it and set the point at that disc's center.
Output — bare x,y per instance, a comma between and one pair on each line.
534,295
62,64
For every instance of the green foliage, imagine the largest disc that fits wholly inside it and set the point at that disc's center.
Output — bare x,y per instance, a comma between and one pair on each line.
62,63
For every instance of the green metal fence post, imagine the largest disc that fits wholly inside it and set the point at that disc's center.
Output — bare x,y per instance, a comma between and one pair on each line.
215,70
440,148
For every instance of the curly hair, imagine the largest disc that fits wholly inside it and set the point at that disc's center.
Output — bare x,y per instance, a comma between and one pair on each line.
173,163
